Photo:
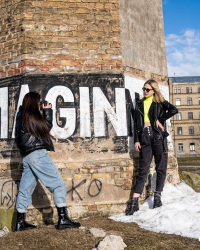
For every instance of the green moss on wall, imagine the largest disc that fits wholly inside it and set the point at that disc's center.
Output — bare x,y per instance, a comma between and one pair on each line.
193,180
7,218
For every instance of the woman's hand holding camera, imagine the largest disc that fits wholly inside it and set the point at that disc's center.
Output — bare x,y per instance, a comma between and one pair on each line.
47,106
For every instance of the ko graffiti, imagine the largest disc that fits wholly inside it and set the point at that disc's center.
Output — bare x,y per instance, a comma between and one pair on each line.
9,191
94,188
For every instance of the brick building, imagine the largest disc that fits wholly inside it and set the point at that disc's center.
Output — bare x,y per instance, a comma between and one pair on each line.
90,59
185,95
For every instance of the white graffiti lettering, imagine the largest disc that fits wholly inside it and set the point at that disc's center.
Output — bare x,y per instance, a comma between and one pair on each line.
85,129
4,112
116,114
101,105
68,113
24,90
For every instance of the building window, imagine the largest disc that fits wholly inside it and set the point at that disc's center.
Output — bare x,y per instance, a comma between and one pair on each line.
190,115
189,101
187,90
178,116
175,90
179,130
178,101
180,147
190,89
179,90
199,100
198,89
191,130
192,147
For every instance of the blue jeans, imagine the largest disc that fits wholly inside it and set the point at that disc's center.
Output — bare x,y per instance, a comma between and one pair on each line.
38,165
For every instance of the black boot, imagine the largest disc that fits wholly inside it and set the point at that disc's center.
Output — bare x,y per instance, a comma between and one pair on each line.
157,200
21,224
134,207
64,221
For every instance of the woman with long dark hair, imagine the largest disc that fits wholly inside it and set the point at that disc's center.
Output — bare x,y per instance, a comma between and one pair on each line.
32,136
151,112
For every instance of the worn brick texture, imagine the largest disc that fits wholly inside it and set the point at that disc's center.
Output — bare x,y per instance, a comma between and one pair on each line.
41,42
59,36
87,185
62,36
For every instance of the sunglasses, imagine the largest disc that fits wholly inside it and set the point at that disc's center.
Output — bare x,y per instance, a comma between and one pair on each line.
147,90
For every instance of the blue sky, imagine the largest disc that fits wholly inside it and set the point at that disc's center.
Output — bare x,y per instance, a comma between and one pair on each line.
182,36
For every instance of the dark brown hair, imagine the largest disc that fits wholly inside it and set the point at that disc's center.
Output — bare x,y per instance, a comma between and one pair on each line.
32,118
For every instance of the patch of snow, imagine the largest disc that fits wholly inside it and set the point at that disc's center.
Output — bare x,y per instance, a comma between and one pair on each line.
179,214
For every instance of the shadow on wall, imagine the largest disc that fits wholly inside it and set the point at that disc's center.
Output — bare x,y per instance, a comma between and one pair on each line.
9,189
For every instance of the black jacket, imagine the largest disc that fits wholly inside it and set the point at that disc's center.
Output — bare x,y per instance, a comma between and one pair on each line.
27,143
157,111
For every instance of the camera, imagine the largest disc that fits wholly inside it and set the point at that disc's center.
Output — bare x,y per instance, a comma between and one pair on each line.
43,102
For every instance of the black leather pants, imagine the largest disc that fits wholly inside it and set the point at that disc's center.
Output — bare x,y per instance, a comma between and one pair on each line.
150,147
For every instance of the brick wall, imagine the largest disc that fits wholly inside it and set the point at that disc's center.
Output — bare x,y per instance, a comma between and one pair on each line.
87,185
41,43
12,37
60,36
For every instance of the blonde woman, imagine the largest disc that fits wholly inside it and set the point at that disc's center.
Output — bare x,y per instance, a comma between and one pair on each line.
151,112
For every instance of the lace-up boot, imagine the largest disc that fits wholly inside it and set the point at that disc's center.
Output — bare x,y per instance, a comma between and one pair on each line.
64,221
134,207
21,224
157,200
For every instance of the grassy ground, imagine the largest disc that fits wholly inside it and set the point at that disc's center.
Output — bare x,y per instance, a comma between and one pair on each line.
188,161
47,237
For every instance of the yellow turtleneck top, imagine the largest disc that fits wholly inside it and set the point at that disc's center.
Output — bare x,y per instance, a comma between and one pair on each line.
147,103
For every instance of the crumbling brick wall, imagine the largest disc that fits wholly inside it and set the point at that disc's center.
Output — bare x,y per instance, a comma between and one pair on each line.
91,57
60,36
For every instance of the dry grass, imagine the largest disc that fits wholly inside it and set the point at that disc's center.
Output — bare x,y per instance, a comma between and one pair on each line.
47,237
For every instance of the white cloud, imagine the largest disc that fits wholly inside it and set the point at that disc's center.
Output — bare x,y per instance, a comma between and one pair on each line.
189,33
183,53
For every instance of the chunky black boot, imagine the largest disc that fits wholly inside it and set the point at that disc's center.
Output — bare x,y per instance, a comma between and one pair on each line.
157,200
21,224
64,221
134,207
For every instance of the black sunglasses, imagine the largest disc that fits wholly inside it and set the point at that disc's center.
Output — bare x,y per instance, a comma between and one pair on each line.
147,90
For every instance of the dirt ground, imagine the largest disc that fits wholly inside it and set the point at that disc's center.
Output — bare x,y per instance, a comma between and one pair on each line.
47,237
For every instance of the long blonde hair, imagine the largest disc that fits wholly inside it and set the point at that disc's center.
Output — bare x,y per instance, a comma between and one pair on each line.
157,94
